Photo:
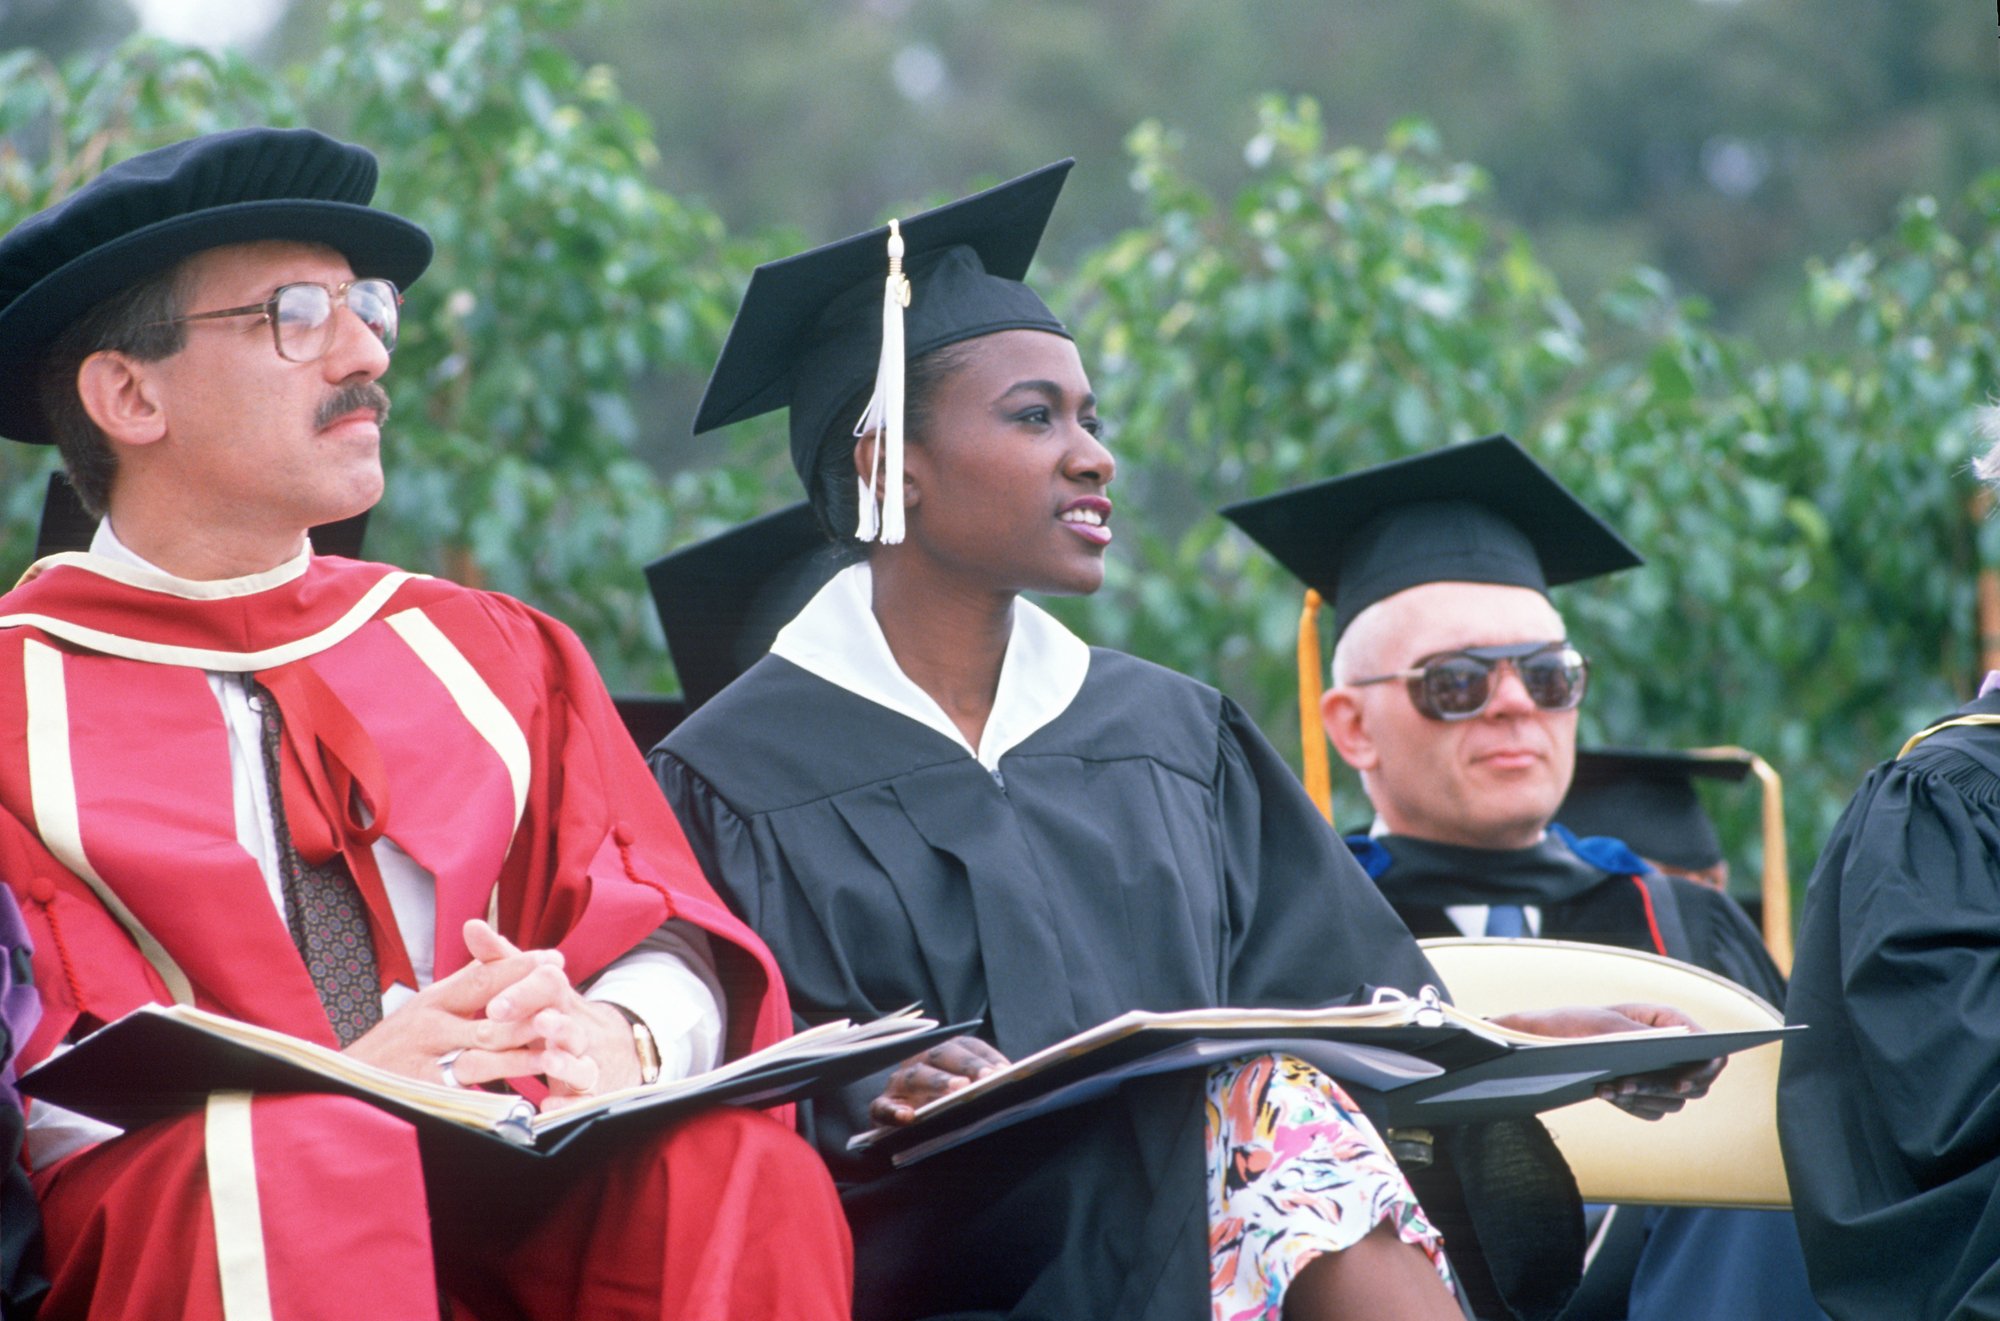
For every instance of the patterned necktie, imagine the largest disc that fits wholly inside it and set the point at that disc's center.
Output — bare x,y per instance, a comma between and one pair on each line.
1507,921
323,906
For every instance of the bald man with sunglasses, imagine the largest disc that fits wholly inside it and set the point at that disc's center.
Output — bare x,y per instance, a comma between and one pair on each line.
1454,696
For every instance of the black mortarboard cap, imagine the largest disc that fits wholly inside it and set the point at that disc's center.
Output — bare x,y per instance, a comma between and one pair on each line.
809,333
1482,512
649,718
723,600
1648,799
146,214
343,537
67,526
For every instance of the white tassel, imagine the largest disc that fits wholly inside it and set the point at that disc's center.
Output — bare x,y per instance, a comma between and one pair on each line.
883,519
869,524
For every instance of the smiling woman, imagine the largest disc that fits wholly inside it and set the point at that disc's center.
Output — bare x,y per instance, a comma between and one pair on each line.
931,791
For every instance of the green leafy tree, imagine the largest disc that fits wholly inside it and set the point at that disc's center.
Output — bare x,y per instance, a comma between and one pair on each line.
1720,142
1807,513
1344,308
1806,517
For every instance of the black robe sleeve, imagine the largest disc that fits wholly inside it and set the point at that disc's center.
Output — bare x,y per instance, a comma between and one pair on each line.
1889,1106
745,859
1306,925
1722,939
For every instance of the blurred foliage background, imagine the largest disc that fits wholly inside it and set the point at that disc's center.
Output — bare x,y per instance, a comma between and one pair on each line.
1729,267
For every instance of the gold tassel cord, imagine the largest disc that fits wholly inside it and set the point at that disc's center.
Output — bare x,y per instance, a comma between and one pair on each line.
1777,880
1317,773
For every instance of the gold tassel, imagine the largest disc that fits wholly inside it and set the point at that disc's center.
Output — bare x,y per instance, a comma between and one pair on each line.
1777,881
1316,772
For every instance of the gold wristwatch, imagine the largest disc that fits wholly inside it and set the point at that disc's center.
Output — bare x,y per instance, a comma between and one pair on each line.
642,1042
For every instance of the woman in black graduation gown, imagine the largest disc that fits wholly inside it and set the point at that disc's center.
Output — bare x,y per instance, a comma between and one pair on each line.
931,792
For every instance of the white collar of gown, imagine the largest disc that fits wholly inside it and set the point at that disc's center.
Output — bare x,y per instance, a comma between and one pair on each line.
837,638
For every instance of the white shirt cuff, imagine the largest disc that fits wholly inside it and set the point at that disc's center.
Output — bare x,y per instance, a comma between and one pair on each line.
668,980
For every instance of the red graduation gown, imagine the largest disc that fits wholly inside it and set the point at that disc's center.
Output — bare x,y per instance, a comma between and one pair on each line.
475,728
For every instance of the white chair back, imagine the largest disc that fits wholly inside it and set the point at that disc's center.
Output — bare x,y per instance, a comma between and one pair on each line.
1720,1151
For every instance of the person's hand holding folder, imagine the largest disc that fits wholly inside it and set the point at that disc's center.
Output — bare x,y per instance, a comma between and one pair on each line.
923,1078
1647,1095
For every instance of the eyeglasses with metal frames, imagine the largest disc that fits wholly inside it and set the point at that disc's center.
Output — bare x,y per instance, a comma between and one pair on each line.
301,315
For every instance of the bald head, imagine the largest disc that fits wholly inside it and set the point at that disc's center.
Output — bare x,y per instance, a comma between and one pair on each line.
1493,781
1399,630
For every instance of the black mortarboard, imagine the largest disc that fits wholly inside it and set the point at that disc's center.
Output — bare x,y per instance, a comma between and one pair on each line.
343,537
649,718
1648,800
809,333
145,214
723,600
1482,512
67,525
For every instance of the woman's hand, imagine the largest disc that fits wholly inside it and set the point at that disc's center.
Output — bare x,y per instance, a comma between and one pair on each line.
1648,1096
923,1078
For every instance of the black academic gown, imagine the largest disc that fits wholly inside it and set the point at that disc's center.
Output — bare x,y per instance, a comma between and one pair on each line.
1147,849
1593,890
1889,1107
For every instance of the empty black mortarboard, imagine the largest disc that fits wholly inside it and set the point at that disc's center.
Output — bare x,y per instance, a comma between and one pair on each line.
146,214
1482,512
67,526
723,600
809,333
1648,800
648,717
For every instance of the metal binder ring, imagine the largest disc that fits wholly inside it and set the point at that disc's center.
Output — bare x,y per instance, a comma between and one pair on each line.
445,1061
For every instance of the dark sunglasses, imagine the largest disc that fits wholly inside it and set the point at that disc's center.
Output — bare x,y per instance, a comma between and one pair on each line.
1457,685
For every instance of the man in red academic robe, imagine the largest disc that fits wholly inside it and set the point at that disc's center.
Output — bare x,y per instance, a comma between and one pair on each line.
372,809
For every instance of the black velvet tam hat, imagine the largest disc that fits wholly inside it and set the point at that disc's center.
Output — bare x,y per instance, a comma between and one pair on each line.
809,334
146,214
1481,512
723,600
1649,800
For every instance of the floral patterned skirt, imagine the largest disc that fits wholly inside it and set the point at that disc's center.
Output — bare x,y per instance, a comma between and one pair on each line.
1294,1170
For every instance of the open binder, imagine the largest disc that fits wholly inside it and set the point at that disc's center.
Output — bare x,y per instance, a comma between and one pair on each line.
162,1060
1424,1061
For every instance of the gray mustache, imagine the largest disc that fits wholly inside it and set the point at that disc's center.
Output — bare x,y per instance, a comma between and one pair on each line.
349,398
